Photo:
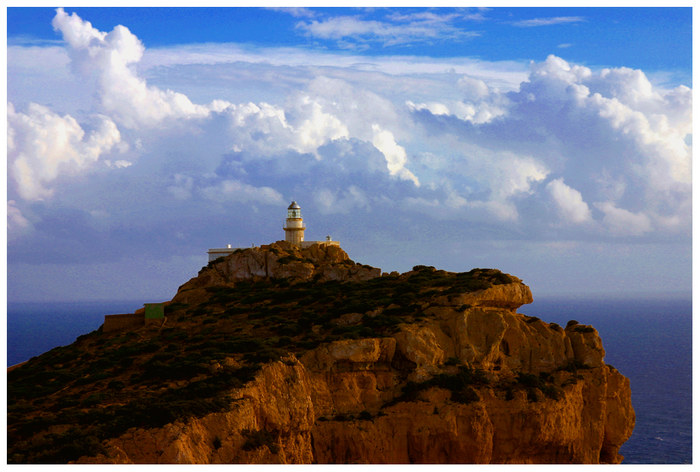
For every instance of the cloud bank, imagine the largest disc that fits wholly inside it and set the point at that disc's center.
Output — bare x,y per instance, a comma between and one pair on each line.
583,154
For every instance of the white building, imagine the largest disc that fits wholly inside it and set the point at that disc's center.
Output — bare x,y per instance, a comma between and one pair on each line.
215,253
293,233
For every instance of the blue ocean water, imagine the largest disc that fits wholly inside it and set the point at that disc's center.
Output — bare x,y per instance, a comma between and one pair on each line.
34,328
649,341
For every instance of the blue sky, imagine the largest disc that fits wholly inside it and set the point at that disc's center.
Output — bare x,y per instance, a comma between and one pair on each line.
649,38
552,143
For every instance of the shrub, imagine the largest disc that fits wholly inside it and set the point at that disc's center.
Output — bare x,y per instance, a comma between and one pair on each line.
264,355
532,395
551,391
115,385
459,384
466,396
528,380
288,259
168,309
509,393
574,365
258,439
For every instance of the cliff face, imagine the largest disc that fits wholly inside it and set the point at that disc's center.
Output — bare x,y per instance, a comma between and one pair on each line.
281,355
533,392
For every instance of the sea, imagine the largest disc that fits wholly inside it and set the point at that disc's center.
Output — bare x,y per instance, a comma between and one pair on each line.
647,340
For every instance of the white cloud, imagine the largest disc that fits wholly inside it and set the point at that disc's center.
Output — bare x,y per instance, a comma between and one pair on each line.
17,224
621,105
333,202
395,154
472,88
317,127
433,107
296,12
119,164
456,207
569,202
43,145
108,56
403,29
233,191
667,156
514,174
623,222
611,135
555,20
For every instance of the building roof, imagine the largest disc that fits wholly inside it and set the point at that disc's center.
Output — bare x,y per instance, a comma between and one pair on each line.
294,206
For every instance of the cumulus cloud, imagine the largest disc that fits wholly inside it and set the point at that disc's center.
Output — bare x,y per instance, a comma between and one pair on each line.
477,104
134,103
43,145
107,57
609,133
316,127
569,202
395,155
621,110
433,107
346,131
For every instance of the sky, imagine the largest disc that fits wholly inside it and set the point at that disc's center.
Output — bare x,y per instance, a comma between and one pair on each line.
552,143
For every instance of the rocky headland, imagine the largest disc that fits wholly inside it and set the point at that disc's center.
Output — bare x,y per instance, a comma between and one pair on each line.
281,355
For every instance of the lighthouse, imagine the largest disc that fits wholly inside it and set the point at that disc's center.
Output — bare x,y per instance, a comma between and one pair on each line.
293,233
294,228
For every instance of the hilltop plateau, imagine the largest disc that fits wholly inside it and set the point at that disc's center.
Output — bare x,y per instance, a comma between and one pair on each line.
284,355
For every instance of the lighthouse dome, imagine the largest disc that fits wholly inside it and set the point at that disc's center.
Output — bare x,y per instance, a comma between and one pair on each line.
294,206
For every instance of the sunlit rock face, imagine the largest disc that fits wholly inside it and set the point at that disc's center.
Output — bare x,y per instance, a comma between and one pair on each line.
468,380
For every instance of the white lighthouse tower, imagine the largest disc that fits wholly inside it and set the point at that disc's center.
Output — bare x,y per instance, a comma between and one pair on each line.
294,228
293,233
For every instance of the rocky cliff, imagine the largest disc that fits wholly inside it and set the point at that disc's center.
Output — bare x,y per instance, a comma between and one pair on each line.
280,260
315,359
